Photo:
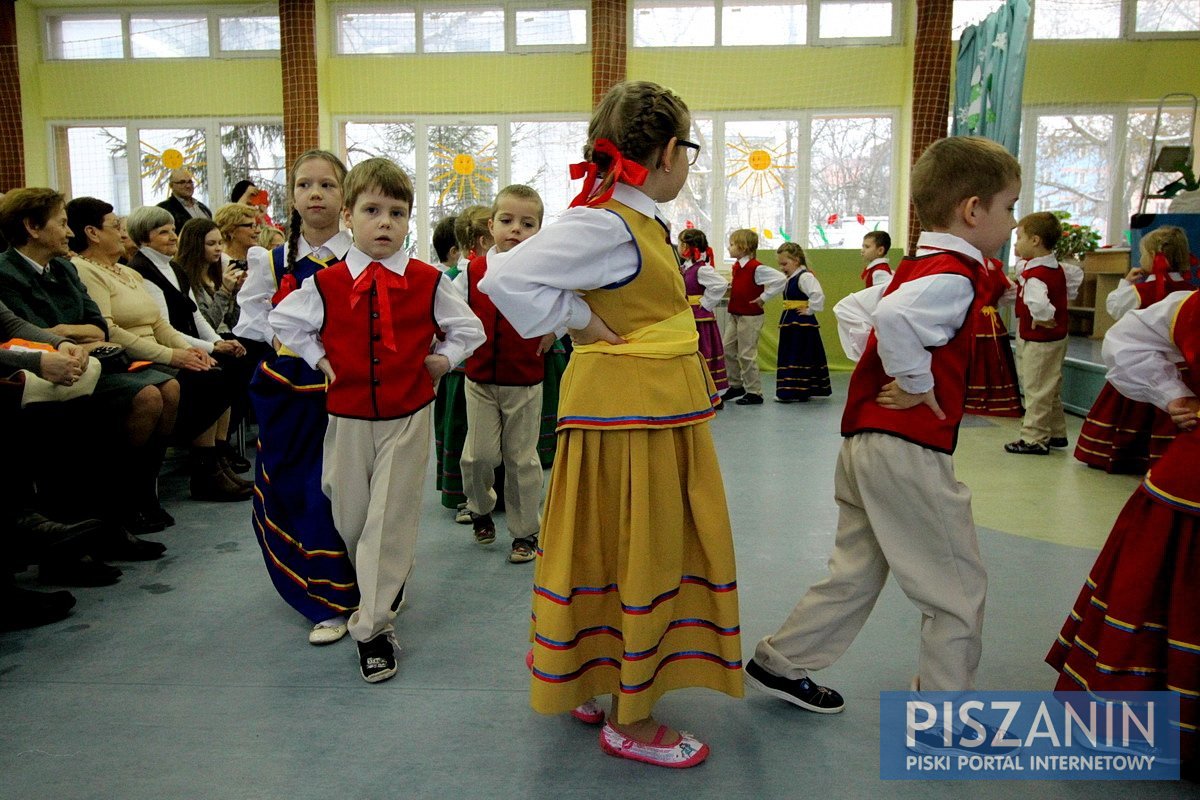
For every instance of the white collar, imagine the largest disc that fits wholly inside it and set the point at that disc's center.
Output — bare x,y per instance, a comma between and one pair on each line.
156,258
1041,261
358,261
40,269
186,202
636,199
744,260
338,244
931,241
878,261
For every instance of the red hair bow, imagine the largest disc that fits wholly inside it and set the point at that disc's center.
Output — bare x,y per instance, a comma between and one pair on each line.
619,169
1160,269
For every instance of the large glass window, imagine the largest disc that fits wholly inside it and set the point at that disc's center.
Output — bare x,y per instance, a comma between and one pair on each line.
861,19
693,208
1077,19
536,27
660,23
86,37
462,167
168,37
1163,16
372,32
478,30
255,153
751,23
161,150
850,179
760,178
249,34
542,152
92,163
1074,167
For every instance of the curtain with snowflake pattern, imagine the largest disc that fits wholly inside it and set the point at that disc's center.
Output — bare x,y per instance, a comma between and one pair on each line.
990,76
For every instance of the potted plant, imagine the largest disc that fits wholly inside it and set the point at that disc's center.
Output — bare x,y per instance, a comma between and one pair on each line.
1076,241
1185,199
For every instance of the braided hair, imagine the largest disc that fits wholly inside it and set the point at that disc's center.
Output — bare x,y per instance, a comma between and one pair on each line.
295,222
638,117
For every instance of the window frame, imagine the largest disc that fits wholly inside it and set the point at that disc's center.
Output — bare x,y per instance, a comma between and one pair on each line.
1127,30
812,10
213,172
419,7
51,44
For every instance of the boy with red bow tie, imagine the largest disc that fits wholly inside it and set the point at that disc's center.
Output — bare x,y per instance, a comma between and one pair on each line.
368,323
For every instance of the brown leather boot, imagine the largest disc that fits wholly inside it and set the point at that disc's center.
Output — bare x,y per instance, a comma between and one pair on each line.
210,481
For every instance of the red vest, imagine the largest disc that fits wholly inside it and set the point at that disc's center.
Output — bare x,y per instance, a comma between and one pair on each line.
374,381
950,363
745,290
1172,479
505,359
1149,293
868,274
1056,284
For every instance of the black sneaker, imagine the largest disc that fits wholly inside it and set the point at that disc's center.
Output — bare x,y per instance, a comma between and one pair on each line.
1058,441
1024,448
733,393
802,692
750,400
485,529
377,658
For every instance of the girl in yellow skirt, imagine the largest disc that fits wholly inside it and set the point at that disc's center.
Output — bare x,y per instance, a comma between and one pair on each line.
635,591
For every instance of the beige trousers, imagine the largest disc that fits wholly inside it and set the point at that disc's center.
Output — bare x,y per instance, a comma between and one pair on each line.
503,426
899,508
1040,367
741,351
373,474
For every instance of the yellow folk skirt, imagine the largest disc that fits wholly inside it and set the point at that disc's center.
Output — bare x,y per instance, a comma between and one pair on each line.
635,590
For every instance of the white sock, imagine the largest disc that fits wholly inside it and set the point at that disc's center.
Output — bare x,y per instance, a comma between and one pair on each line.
332,622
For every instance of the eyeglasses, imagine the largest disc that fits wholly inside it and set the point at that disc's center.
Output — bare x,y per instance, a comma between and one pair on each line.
695,148
247,225
188,182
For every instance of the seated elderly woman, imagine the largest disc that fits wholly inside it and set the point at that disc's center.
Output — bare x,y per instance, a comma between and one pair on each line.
154,233
41,287
135,321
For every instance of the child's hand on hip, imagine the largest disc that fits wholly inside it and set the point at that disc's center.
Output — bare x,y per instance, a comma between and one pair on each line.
1184,411
595,331
546,343
892,396
437,366
326,368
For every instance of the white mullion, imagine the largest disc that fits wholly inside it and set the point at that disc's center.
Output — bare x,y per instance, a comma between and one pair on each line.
133,165
214,167
1119,153
718,185
421,154
127,41
503,153
803,182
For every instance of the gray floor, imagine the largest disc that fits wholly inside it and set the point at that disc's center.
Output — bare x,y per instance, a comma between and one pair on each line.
191,679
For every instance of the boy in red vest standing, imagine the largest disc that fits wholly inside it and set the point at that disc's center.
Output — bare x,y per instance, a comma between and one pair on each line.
752,286
900,506
368,323
1041,335
504,393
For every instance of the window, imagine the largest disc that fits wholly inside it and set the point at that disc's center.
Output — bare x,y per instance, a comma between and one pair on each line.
704,23
370,33
760,24
542,152
971,12
514,26
850,179
551,26
81,37
693,207
1163,16
248,34
93,160
760,178
1064,19
160,33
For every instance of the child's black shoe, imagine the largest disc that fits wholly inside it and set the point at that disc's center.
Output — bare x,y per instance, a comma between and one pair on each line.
1024,448
803,692
377,658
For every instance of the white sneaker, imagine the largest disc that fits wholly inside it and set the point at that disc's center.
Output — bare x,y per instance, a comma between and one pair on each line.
462,516
327,632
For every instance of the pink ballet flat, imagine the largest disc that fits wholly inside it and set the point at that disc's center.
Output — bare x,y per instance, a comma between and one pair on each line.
589,713
687,752
529,660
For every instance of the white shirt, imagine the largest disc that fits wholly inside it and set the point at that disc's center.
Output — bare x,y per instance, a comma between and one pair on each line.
812,287
254,298
38,267
1141,357
1034,292
879,276
207,336
855,314
534,285
1124,298
922,314
772,280
1074,275
714,285
298,319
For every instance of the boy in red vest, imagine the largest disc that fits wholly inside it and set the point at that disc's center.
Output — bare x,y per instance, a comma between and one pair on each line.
1041,335
752,286
900,506
876,267
368,323
504,393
